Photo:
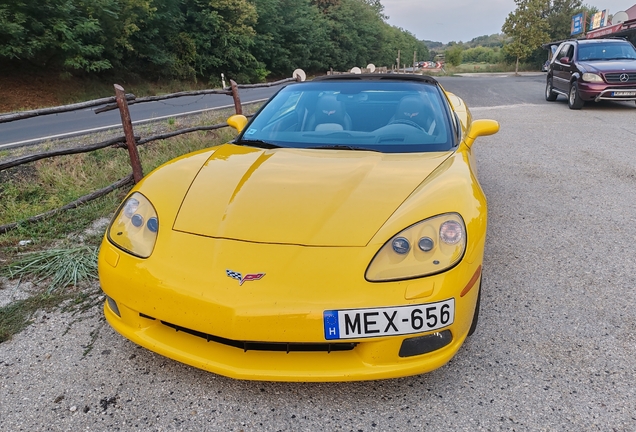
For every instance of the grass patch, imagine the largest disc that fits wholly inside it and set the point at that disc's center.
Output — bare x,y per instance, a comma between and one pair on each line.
60,267
16,316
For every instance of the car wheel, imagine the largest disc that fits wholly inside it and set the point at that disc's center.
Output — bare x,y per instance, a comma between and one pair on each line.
473,325
549,94
574,99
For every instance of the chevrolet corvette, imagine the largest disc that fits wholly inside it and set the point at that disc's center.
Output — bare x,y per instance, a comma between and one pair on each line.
339,237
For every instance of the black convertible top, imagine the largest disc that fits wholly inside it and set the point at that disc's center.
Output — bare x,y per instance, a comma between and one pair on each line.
377,77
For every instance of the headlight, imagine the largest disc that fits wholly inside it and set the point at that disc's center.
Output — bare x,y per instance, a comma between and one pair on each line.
135,226
590,77
428,247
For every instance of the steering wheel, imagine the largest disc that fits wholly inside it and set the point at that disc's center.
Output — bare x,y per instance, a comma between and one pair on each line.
407,122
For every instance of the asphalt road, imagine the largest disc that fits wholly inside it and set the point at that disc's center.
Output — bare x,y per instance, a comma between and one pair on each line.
36,129
554,349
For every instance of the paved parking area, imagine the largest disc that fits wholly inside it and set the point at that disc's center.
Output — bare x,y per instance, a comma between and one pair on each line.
555,349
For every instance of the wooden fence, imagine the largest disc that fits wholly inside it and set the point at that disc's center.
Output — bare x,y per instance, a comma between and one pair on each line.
120,101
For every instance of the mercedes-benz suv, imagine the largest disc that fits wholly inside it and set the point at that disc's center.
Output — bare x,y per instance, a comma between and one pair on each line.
592,70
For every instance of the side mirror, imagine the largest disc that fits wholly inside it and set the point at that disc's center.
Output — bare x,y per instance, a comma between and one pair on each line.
237,121
480,128
565,60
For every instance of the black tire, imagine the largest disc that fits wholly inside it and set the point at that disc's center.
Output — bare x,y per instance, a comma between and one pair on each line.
550,96
574,98
473,325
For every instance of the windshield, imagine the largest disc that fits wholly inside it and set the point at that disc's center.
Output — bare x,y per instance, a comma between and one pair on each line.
607,51
385,116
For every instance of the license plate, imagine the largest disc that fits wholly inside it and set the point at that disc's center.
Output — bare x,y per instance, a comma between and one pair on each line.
388,321
624,93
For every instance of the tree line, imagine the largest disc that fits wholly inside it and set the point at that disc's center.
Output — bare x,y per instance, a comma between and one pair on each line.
247,40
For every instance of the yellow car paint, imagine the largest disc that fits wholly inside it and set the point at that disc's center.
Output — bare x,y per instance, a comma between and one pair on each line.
217,214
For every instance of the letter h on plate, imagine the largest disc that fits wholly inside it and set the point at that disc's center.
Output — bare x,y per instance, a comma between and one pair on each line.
332,327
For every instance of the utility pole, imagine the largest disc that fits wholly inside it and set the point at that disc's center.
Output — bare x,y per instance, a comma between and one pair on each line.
398,61
414,60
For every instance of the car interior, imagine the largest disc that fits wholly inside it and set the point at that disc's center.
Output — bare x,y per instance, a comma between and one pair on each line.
388,118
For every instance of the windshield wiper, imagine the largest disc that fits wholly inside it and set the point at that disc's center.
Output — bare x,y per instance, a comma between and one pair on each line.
343,147
258,143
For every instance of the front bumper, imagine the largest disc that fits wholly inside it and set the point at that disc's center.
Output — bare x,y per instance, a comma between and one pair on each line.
602,91
173,304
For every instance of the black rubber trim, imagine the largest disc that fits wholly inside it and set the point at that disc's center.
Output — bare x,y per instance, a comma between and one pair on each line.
263,346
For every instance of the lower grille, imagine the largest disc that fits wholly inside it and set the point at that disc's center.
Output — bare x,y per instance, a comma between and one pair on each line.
262,346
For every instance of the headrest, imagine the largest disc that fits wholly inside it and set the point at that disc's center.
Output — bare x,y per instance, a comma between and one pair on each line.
413,108
329,110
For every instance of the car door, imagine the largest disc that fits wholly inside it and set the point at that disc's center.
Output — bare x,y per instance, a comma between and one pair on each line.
563,67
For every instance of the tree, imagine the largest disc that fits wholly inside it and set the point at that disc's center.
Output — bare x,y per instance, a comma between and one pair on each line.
223,34
291,34
52,33
453,55
527,27
559,15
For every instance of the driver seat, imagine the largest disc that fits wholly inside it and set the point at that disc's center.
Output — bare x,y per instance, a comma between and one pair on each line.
416,110
330,115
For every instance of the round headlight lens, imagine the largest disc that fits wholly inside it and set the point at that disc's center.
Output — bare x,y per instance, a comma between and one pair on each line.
137,220
426,244
153,224
451,232
401,245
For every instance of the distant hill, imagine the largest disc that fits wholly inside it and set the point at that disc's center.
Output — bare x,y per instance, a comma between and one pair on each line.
492,41
432,44
489,41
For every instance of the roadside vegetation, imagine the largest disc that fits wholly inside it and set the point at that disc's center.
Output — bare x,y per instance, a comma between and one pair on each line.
247,40
57,256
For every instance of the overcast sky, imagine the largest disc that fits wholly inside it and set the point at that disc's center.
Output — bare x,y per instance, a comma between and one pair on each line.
462,20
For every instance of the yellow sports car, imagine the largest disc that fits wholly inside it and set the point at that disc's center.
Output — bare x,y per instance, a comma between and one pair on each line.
339,237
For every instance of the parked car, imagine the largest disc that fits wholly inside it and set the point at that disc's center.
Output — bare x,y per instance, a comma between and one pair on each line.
339,237
592,70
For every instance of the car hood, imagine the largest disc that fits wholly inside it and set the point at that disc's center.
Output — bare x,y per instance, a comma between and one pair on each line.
300,196
613,66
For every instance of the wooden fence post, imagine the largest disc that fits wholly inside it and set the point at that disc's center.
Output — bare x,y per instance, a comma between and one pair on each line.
237,99
133,152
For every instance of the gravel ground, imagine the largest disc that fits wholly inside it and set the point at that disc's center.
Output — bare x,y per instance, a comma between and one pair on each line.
554,350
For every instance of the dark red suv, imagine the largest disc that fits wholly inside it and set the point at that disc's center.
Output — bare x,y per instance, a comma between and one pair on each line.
592,70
